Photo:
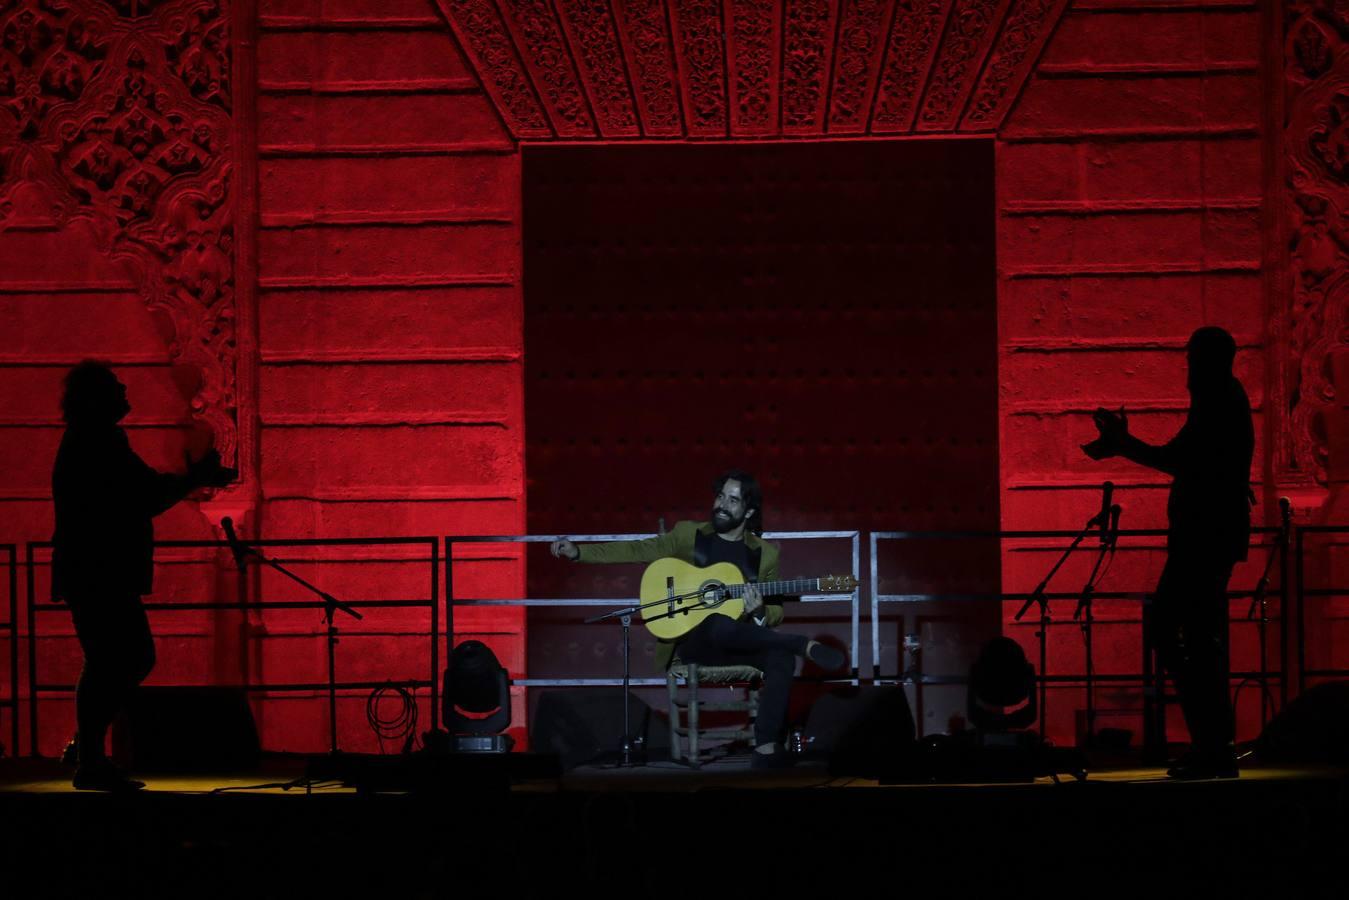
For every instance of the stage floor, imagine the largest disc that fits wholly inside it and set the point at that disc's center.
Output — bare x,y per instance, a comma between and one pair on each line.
665,831
280,775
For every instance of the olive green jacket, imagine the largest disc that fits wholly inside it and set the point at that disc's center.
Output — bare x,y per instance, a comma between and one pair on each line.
678,543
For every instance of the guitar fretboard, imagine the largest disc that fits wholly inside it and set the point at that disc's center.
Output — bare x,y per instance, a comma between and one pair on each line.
771,588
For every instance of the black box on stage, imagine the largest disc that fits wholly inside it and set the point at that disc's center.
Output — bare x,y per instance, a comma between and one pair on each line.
585,725
186,729
860,729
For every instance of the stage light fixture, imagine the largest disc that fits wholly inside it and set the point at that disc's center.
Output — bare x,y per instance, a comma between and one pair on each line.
1001,694
477,700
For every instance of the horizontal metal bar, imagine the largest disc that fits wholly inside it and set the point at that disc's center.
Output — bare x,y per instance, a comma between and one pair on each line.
1058,595
597,538
583,682
592,601
1004,598
277,604
637,682
257,688
293,542
795,535
921,679
542,538
1068,679
965,535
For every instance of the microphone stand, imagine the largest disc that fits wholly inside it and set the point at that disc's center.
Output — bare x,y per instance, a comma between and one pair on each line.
624,616
1258,600
1038,596
330,605
1084,612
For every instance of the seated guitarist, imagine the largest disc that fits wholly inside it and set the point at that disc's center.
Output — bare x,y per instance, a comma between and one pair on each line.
733,535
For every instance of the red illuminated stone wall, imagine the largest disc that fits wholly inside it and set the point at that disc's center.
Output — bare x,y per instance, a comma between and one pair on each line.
296,226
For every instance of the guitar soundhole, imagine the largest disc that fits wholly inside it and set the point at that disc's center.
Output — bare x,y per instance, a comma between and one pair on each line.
712,595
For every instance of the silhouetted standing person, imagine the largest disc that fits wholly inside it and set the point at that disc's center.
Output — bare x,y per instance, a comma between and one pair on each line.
1209,515
102,561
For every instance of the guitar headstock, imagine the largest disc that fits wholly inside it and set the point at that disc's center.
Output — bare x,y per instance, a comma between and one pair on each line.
838,584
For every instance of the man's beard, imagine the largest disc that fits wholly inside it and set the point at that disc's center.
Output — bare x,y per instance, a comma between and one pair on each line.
723,521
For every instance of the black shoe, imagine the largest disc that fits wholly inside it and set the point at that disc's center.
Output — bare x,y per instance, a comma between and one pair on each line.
826,657
71,755
1201,768
778,759
104,776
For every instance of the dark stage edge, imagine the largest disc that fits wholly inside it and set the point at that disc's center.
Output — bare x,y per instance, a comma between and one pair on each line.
665,831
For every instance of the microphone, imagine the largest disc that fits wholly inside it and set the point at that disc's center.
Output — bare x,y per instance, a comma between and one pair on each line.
1285,520
1114,525
235,547
1103,518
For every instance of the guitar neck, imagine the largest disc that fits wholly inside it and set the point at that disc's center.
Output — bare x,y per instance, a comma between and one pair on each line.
771,588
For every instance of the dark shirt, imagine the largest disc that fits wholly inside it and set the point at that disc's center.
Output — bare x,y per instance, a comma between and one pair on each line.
710,549
106,497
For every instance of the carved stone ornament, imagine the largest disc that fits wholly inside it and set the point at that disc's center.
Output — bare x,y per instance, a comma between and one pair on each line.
861,35
702,43
1315,324
913,41
965,36
809,32
483,36
753,39
548,57
120,110
1023,34
591,26
751,69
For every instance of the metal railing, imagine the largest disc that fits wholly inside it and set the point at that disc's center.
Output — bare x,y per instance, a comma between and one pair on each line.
244,603
1304,671
1289,569
10,561
451,601
1148,676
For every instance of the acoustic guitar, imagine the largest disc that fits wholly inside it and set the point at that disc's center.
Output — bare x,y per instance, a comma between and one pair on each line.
691,594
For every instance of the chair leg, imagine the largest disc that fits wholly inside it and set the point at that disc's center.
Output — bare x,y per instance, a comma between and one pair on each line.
694,759
672,690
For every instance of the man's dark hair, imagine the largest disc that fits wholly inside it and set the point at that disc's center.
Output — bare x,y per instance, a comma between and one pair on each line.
87,388
750,492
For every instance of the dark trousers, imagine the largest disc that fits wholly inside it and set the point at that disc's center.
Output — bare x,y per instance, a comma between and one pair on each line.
119,653
722,641
1190,617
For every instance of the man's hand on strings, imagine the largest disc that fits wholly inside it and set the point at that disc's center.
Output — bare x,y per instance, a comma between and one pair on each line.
753,600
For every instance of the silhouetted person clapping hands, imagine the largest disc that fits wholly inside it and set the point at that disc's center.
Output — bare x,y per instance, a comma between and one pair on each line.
102,561
1209,516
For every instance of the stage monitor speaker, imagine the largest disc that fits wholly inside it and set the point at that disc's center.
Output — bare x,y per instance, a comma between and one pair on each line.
187,729
861,730
1313,728
586,726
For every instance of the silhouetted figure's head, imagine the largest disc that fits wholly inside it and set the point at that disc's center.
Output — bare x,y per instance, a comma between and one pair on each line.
93,396
1209,354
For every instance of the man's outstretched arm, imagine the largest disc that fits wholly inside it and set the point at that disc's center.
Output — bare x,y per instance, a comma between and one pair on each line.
1115,440
645,550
